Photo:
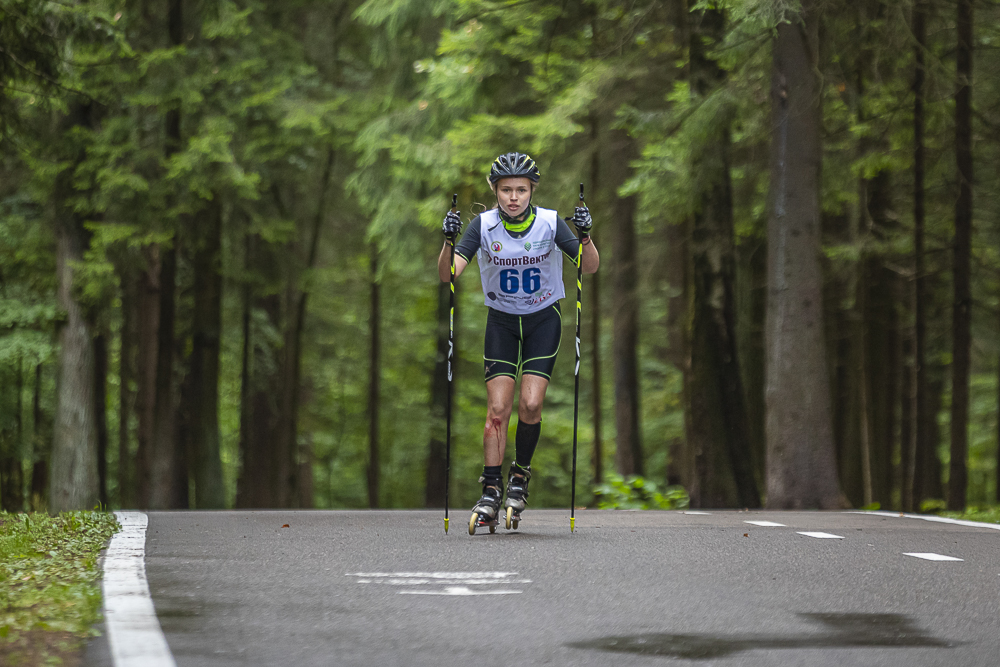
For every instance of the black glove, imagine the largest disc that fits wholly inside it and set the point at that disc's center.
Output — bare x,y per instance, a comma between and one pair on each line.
582,221
452,226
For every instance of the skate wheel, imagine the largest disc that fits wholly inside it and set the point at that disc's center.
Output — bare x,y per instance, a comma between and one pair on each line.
515,522
510,513
472,523
493,528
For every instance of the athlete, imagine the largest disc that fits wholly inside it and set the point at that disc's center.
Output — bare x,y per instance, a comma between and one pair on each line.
520,248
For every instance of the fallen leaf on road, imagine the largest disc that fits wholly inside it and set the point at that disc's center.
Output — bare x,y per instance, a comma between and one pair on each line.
286,526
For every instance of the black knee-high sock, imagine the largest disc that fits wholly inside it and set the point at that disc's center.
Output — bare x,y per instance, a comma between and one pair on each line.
525,441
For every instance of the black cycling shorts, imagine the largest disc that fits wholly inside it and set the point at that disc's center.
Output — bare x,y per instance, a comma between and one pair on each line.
526,344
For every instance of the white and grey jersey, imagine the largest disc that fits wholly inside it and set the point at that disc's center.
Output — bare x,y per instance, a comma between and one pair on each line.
468,245
521,274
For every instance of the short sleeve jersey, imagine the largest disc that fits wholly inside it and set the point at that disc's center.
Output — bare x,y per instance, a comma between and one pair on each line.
521,273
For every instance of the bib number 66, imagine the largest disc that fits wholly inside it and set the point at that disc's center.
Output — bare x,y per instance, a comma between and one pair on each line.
529,280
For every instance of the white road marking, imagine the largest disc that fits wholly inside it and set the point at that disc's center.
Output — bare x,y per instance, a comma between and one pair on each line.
766,524
935,519
822,536
134,633
434,575
459,590
933,557
411,581
703,513
454,583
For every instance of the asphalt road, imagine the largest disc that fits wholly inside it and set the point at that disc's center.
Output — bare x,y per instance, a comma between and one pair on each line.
628,588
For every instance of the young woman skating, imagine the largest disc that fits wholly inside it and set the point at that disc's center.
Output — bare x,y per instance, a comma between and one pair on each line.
520,248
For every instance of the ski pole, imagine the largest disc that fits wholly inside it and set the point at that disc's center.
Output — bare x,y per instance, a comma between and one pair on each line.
576,391
451,354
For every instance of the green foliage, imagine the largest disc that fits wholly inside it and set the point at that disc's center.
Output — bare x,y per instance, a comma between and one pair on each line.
409,101
932,505
634,492
28,309
48,575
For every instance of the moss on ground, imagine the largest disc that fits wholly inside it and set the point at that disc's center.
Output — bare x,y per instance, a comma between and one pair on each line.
50,595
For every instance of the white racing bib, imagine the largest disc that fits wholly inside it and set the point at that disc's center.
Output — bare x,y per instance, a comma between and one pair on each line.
524,275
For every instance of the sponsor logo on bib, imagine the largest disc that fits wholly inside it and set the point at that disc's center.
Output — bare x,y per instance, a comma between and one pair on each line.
527,246
497,246
540,299
520,261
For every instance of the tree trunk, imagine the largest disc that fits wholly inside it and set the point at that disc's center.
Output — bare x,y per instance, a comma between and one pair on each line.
895,368
249,481
853,408
203,398
126,398
283,454
719,424
801,469
11,475
919,437
752,290
962,310
163,457
906,429
884,362
148,331
856,448
258,484
19,435
681,466
74,484
625,314
41,448
304,481
929,481
292,454
374,381
101,414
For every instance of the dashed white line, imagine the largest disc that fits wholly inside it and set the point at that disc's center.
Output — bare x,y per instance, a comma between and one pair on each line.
936,557
822,536
134,633
766,524
416,581
447,583
702,513
458,590
434,575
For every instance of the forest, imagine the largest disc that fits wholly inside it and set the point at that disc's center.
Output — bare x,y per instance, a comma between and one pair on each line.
220,220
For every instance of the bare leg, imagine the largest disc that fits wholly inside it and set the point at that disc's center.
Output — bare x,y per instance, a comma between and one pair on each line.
499,404
529,407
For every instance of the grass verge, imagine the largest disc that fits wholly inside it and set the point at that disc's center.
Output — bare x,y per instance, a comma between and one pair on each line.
49,592
983,514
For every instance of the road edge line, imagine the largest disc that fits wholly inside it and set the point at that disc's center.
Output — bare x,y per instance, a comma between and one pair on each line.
134,634
927,517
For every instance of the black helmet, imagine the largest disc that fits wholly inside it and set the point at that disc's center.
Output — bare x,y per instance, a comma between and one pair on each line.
514,165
